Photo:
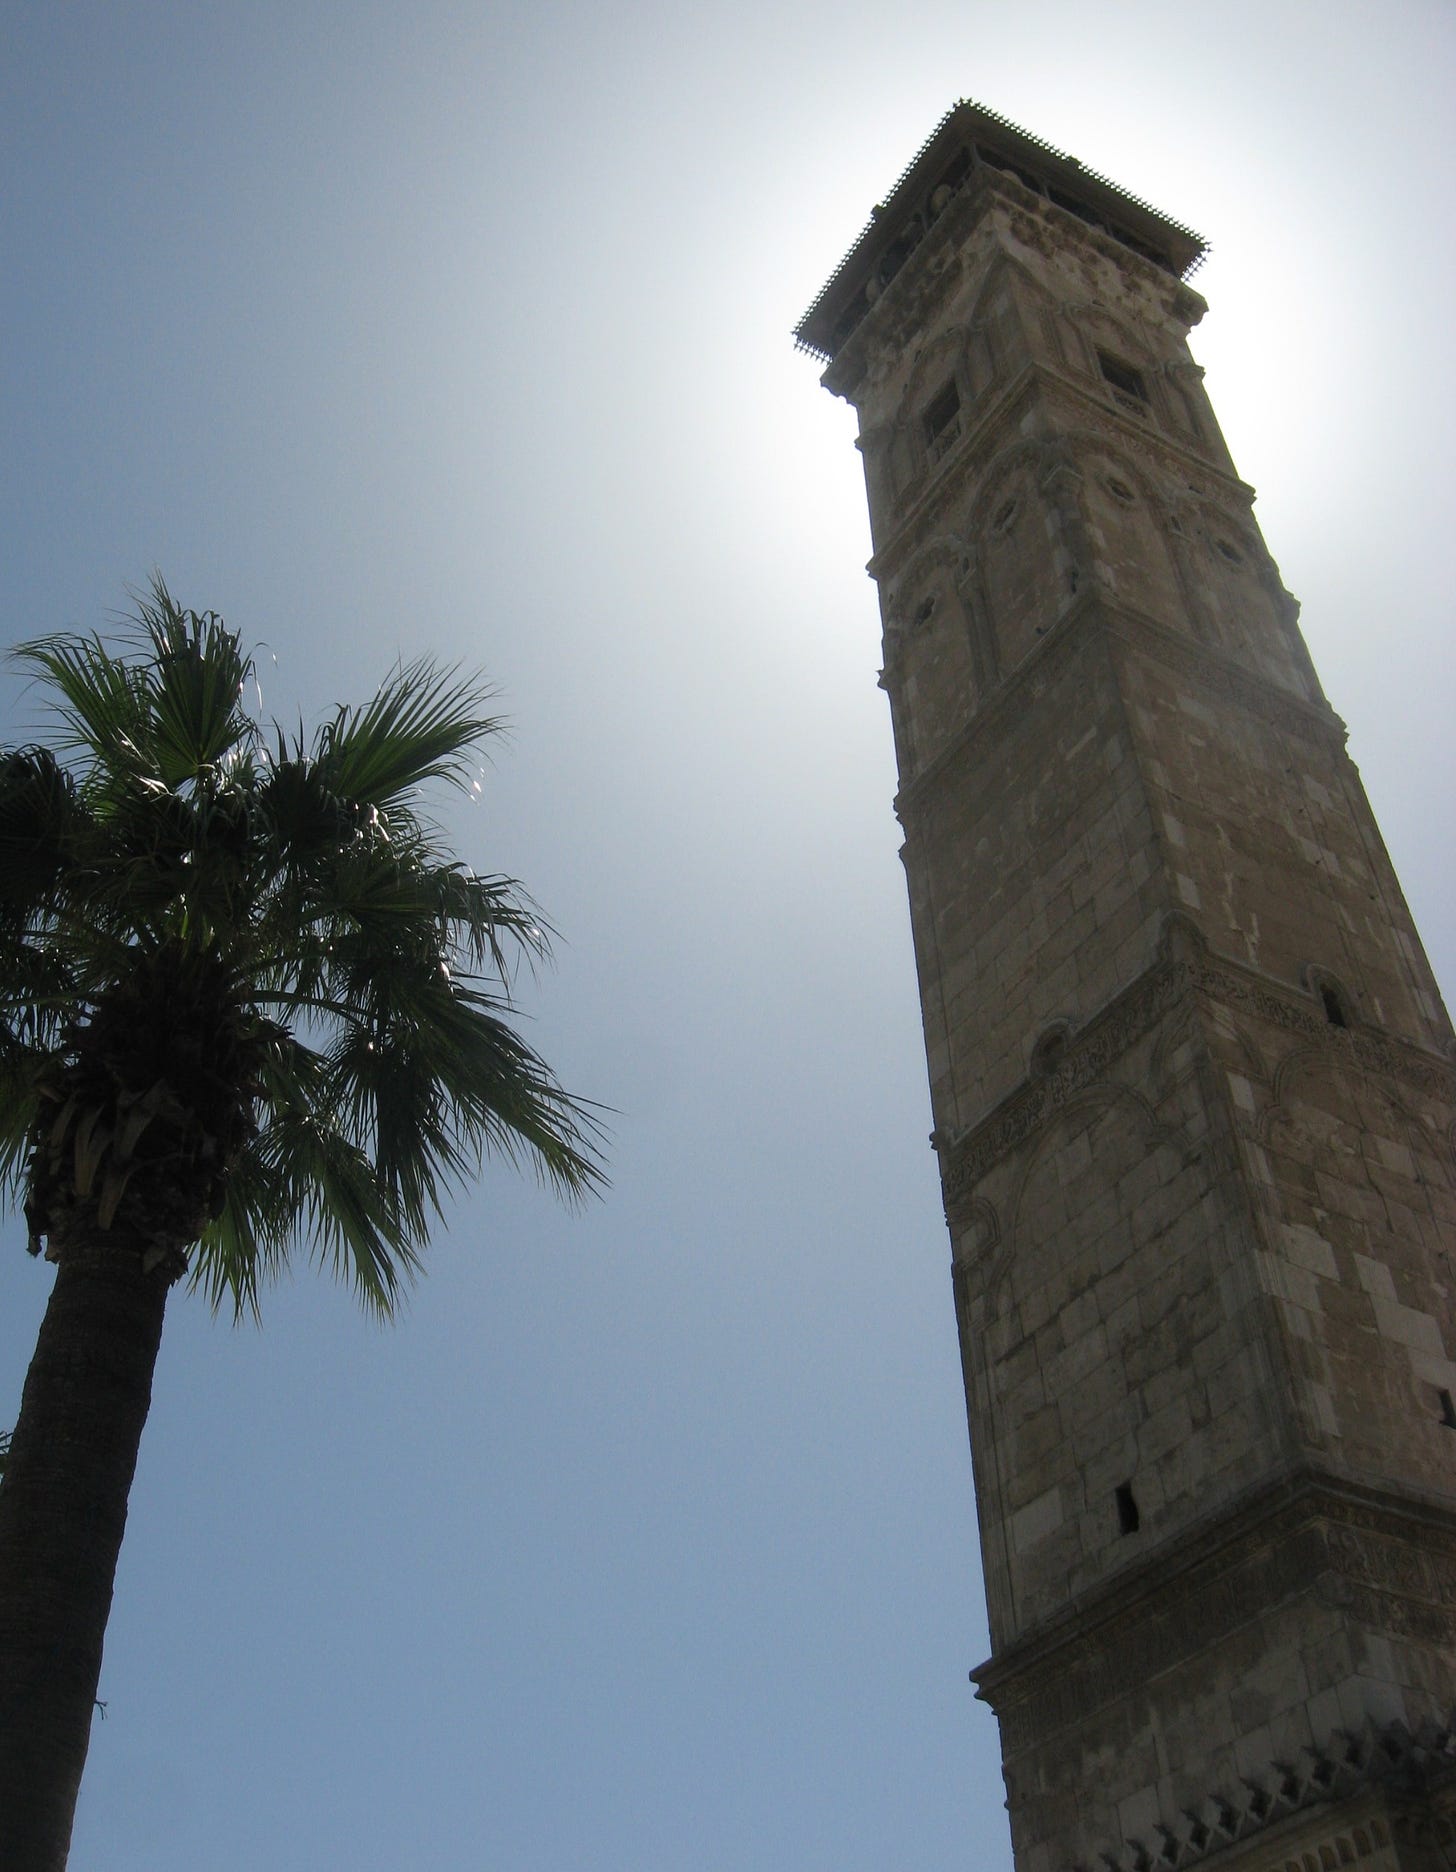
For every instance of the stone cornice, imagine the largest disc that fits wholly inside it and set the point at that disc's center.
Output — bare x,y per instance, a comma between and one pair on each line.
1219,673
1057,647
1305,1531
1184,965
1226,677
1384,1559
1150,438
848,356
949,236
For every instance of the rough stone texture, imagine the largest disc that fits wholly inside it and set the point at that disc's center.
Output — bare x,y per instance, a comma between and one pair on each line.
1193,1082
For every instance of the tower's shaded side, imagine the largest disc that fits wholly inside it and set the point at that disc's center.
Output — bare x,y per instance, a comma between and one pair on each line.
1192,1079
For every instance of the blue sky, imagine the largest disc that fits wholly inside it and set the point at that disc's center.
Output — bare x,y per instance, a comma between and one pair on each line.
645,1539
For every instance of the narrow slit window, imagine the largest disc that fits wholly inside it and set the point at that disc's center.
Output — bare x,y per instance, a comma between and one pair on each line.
1128,1518
1333,1006
1448,1411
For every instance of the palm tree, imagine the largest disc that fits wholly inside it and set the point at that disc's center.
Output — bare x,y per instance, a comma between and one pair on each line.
247,1001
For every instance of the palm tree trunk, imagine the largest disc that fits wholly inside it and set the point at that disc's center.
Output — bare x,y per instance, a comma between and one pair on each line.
62,1515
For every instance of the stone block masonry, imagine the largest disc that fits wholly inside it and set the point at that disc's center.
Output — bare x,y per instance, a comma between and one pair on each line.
1193,1083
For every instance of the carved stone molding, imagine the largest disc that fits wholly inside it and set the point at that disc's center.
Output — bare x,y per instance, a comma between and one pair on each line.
1037,1100
1159,1621
1291,714
1184,965
936,489
999,419
1391,1584
1339,1546
1312,722
1375,1052
1355,1793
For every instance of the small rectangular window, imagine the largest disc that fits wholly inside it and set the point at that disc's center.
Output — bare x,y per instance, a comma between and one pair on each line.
943,419
1126,380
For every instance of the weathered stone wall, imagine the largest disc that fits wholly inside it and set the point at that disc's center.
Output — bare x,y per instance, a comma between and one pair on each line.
1344,1135
1268,837
1145,1304
1114,1338
1035,888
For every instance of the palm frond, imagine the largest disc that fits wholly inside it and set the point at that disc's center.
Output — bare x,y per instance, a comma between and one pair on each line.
352,1217
483,912
419,727
200,673
494,1094
102,701
41,826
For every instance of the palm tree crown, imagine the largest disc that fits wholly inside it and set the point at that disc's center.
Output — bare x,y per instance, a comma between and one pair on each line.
244,993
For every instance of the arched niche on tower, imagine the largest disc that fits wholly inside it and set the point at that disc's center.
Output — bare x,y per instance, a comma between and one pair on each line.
1240,594
983,361
1327,1106
998,315
1023,563
1041,330
997,343
1188,401
931,666
1127,534
1019,314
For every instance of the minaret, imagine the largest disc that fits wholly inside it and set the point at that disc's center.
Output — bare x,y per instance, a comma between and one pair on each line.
1192,1078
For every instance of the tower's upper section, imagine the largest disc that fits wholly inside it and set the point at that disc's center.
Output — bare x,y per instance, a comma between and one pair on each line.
972,146
1049,491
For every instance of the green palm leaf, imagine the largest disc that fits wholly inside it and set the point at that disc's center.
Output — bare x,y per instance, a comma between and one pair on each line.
323,987
422,725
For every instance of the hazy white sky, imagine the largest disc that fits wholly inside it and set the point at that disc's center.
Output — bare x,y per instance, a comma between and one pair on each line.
646,1540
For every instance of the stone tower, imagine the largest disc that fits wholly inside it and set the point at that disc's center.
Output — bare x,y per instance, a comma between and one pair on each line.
1192,1079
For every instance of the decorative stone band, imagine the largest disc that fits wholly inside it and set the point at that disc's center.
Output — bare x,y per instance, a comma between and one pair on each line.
1311,722
1163,1614
1184,965
1219,675
1410,1774
996,423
